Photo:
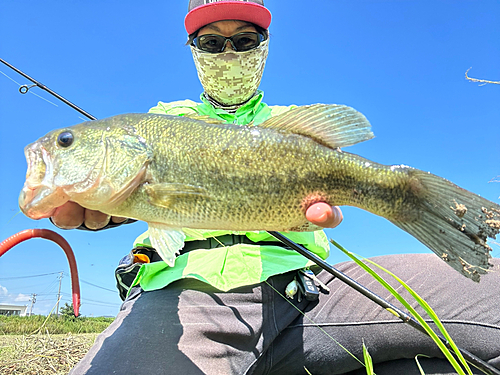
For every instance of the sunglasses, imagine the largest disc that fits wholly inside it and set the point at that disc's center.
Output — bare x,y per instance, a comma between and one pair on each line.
213,43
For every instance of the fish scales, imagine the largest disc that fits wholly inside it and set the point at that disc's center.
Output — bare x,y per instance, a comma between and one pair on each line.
246,182
182,172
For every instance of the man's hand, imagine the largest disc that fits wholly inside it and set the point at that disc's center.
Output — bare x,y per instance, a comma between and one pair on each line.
71,215
324,215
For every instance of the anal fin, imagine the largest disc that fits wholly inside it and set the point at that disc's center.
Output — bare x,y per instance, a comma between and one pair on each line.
167,241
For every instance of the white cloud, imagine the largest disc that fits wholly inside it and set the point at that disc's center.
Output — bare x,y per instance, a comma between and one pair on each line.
12,299
3,291
22,298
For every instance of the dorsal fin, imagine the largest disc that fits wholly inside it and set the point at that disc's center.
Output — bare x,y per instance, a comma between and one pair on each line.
332,125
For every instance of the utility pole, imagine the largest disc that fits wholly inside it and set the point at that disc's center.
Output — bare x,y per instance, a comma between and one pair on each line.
59,293
33,300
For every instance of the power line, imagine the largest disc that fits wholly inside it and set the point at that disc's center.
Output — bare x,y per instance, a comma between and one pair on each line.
98,304
26,277
91,304
93,300
54,273
100,287
50,287
53,283
97,286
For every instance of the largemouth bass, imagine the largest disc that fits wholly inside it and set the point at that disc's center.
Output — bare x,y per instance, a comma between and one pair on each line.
187,172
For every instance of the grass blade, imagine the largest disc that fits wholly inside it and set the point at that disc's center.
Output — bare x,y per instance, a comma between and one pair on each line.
418,363
368,360
446,352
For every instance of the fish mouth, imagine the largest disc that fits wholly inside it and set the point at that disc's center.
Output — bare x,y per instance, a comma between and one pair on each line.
40,202
39,198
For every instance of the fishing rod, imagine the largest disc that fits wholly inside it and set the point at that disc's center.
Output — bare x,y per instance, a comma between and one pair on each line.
471,358
24,89
406,318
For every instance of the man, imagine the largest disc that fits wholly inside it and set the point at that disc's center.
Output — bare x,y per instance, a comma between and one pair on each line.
221,309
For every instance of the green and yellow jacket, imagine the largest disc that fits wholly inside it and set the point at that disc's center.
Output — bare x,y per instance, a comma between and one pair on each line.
234,266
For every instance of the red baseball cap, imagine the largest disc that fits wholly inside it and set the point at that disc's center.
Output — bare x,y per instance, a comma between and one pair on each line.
203,12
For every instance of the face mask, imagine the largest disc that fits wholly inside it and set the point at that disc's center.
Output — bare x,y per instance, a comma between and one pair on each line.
231,77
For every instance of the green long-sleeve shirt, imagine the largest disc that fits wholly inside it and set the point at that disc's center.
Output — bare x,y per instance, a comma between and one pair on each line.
234,266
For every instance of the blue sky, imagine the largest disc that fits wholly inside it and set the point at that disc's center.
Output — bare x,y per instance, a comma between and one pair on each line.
401,63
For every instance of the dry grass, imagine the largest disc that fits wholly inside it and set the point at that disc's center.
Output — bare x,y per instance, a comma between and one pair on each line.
27,325
41,354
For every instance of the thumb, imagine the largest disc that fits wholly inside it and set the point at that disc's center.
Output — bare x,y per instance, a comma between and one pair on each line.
324,215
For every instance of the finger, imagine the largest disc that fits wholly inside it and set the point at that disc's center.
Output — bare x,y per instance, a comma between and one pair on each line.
96,219
338,216
324,215
118,219
69,216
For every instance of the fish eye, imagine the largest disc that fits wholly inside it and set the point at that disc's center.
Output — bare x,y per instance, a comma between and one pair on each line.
65,139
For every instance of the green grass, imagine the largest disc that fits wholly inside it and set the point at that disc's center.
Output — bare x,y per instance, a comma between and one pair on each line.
26,325
368,361
459,365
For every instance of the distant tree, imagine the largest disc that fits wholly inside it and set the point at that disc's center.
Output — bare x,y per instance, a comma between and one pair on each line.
67,310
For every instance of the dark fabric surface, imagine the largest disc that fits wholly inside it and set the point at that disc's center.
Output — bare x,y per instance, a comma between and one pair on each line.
191,328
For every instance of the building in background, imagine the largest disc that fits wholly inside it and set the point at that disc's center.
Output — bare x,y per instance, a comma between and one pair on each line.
13,310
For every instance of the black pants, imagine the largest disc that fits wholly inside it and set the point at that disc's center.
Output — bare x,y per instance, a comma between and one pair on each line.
191,328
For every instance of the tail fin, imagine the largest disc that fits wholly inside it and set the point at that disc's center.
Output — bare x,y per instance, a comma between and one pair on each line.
455,223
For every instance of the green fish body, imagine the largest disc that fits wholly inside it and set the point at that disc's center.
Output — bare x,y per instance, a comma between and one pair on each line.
182,172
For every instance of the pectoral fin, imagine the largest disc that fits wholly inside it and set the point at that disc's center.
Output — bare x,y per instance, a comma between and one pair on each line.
167,241
165,195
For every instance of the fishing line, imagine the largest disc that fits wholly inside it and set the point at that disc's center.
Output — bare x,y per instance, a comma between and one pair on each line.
24,89
314,323
12,218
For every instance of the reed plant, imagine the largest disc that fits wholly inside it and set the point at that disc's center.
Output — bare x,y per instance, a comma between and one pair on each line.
453,356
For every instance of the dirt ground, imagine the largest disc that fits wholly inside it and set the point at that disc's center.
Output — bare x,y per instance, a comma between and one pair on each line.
41,354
